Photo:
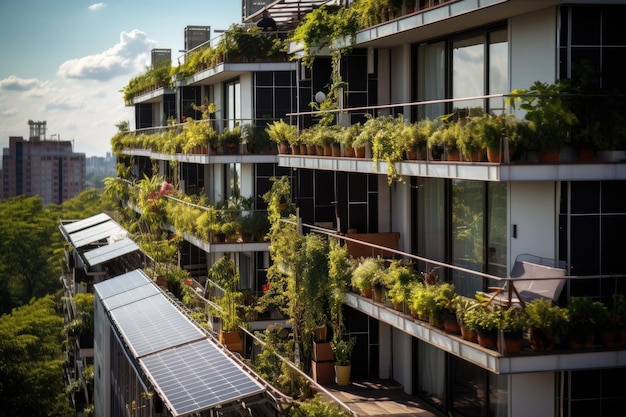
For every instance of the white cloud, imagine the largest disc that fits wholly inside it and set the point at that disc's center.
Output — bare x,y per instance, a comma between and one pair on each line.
63,103
97,6
14,83
8,112
129,56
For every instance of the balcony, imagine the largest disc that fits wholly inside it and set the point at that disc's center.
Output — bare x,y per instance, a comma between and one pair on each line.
491,360
480,171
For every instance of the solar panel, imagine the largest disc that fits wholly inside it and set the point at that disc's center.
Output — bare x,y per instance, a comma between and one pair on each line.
85,223
197,377
107,252
95,233
150,324
121,283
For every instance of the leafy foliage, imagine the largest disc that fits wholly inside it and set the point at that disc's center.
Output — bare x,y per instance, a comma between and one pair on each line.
31,382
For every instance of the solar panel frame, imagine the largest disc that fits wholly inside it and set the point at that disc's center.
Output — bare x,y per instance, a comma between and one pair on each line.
74,227
93,234
152,323
197,377
121,283
111,251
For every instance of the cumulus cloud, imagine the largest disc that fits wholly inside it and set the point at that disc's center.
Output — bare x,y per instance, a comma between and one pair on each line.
8,112
96,6
63,103
14,83
130,55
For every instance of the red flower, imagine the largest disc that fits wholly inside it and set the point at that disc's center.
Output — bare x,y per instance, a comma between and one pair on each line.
266,287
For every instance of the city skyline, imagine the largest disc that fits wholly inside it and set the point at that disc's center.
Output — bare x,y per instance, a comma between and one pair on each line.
67,62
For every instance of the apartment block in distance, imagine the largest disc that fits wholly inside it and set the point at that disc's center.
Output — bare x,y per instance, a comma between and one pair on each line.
39,166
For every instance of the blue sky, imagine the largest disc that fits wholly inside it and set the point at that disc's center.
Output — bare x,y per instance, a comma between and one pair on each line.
65,61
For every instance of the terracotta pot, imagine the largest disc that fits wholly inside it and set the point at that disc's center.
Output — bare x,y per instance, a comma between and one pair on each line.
411,155
450,324
311,150
549,157
469,335
283,148
295,149
453,155
586,154
303,149
512,341
614,337
367,292
488,339
378,295
328,150
359,152
580,340
336,150
349,152
319,150
541,340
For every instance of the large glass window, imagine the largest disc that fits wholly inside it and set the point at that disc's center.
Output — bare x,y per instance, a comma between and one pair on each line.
233,104
477,66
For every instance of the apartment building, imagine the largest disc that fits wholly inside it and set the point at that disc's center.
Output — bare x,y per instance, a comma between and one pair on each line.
43,167
470,219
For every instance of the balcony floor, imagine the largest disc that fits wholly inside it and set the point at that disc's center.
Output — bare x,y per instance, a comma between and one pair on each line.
381,398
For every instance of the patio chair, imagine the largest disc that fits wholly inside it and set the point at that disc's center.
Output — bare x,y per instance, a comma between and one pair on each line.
531,277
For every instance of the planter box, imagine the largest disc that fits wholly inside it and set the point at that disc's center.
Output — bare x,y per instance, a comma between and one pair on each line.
322,352
323,372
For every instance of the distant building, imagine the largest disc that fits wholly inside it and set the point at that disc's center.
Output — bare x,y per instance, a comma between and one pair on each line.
98,168
37,166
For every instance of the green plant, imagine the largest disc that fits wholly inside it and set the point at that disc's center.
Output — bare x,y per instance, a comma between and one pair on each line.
230,137
340,268
584,314
445,136
398,278
543,314
415,135
343,350
462,306
367,273
325,27
224,274
281,131
548,113
257,139
617,309
482,318
512,318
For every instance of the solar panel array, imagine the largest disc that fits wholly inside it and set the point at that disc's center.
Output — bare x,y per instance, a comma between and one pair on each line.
190,372
198,376
111,251
73,227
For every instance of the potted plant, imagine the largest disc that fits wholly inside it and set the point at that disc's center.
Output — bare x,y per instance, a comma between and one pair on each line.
342,349
443,141
225,275
347,138
584,316
398,278
447,300
545,321
484,320
549,115
257,139
282,133
613,332
512,324
463,306
367,272
230,139
416,138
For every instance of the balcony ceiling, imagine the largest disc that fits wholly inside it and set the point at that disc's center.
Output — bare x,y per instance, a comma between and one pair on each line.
287,13
451,17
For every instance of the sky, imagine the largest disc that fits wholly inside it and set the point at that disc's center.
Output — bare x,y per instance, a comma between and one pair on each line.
65,61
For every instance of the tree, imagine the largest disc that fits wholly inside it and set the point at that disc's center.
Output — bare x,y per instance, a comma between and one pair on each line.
31,382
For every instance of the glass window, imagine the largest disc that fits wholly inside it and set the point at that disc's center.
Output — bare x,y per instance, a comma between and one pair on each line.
498,69
468,232
468,71
431,80
431,211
